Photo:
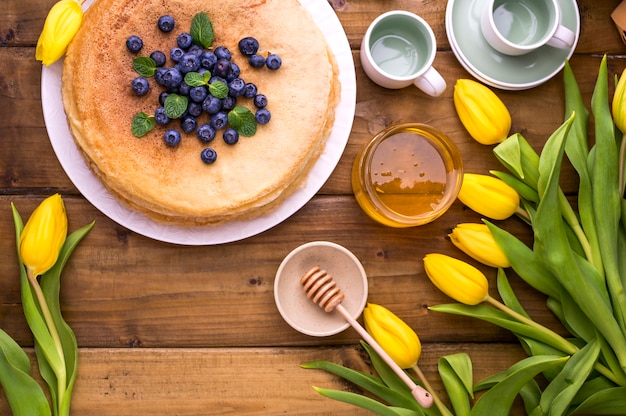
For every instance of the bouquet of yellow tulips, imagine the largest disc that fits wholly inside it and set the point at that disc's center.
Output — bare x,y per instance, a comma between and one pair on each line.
577,259
43,248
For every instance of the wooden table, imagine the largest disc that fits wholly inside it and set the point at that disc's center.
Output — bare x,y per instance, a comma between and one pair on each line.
168,329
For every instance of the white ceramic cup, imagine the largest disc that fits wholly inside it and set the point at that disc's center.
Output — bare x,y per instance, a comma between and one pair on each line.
518,27
398,50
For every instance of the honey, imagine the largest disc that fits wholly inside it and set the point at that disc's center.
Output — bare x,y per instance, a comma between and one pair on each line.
407,175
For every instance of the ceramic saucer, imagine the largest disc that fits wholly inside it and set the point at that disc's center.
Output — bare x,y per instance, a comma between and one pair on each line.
496,69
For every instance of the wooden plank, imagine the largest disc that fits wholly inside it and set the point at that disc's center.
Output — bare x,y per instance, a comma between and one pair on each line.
23,20
259,381
122,289
26,142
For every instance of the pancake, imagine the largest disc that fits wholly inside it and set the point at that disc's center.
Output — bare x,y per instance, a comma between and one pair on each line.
173,184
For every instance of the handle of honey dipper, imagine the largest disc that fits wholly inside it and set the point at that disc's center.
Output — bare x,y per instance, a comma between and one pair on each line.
423,397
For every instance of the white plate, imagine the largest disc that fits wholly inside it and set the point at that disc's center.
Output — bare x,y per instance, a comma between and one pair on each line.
78,172
496,69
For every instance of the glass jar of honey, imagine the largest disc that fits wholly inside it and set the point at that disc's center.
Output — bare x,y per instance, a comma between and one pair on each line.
407,175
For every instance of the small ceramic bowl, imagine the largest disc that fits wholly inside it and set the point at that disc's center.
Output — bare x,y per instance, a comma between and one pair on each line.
303,314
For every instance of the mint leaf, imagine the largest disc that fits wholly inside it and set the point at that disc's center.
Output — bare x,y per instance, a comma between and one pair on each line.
218,89
142,124
242,120
202,30
144,66
175,105
195,79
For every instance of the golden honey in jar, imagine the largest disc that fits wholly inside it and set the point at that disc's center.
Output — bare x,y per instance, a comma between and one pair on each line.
408,174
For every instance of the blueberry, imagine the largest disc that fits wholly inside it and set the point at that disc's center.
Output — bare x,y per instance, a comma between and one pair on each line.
196,50
194,109
172,78
198,94
160,117
163,97
248,46
262,116
208,155
229,102
158,75
205,133
188,124
211,105
184,40
158,57
166,23
219,120
230,136
134,43
184,88
223,52
189,62
250,90
172,138
273,61
260,101
208,60
235,71
216,78
176,54
236,87
140,86
256,61
222,68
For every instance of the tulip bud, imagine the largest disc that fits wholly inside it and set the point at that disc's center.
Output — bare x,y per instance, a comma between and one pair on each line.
43,235
476,241
457,279
619,103
489,196
483,114
398,340
62,23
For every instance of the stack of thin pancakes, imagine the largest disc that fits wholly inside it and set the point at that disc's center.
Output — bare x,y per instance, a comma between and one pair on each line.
173,184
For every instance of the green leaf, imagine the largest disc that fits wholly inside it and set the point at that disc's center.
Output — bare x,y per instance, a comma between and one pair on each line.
175,105
367,382
144,66
366,403
456,374
242,120
142,124
525,262
518,156
610,401
607,195
557,397
51,285
499,398
525,191
218,89
386,373
195,79
23,393
508,296
202,30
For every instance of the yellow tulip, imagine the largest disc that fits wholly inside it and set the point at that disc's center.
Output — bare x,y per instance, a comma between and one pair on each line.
43,235
62,23
483,114
398,340
619,103
476,241
457,279
489,196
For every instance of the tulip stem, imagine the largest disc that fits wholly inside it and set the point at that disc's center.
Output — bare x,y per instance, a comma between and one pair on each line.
559,343
442,407
43,305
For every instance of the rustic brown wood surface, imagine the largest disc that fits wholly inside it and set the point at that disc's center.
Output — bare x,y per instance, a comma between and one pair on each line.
168,329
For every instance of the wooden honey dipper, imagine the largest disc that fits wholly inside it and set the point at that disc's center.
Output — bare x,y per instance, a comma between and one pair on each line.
322,289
